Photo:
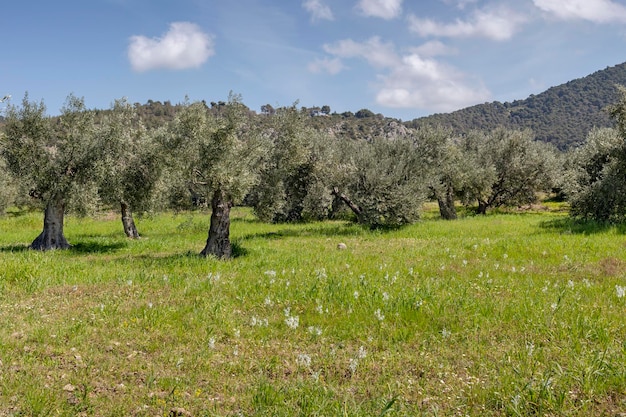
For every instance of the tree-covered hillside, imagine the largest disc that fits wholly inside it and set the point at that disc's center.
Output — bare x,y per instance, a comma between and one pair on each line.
562,115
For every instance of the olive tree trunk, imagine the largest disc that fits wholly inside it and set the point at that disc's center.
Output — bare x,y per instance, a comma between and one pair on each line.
218,242
447,210
128,222
52,236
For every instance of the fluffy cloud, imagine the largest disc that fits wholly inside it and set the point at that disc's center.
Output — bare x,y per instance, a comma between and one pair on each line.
410,80
375,52
598,11
183,46
329,65
385,9
318,10
500,25
428,84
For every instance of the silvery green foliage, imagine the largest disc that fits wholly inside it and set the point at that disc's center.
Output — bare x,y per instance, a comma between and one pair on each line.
596,174
53,158
386,179
132,161
217,149
8,189
506,168
596,186
294,179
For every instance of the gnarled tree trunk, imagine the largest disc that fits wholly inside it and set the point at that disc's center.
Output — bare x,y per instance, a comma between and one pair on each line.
128,222
482,207
52,236
447,210
218,242
355,208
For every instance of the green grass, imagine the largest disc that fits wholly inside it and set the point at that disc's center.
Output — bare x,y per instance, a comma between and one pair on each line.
510,314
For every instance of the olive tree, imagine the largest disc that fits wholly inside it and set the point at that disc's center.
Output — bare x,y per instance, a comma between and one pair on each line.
505,168
383,181
596,180
294,179
219,150
132,162
55,158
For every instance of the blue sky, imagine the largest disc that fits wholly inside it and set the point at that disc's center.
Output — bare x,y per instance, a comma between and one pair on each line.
401,58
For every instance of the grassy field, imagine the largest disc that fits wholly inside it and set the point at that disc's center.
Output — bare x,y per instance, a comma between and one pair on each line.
510,314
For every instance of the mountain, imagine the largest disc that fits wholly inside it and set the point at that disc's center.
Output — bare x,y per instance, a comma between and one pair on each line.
561,115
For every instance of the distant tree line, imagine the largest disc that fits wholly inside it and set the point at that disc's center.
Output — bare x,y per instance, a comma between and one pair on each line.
285,167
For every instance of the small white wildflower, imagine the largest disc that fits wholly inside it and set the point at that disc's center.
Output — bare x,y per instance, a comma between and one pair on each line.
314,330
419,303
621,291
287,311
505,256
480,274
570,284
292,322
129,282
213,277
212,343
516,400
149,305
496,266
270,273
475,247
513,269
566,257
379,315
464,262
394,278
554,306
319,309
411,271
303,360
356,295
385,296
236,351
362,354
354,363
236,332
530,348
268,301
445,333
179,362
586,282
316,376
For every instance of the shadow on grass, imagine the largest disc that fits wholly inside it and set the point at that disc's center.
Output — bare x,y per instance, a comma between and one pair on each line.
81,247
577,226
321,230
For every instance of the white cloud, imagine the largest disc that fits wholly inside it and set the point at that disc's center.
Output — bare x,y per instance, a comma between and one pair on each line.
434,48
318,10
410,80
375,52
598,11
385,9
428,84
183,46
499,24
330,65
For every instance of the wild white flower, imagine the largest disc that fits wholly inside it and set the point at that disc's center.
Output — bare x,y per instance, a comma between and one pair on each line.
554,306
586,282
316,376
570,284
385,296
236,333
513,269
464,262
149,305
268,301
287,311
505,256
530,348
292,322
270,273
129,282
214,277
354,363
445,333
236,351
480,274
621,291
319,309
496,266
356,295
303,360
314,330
419,303
362,354
255,321
411,271
211,343
379,315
